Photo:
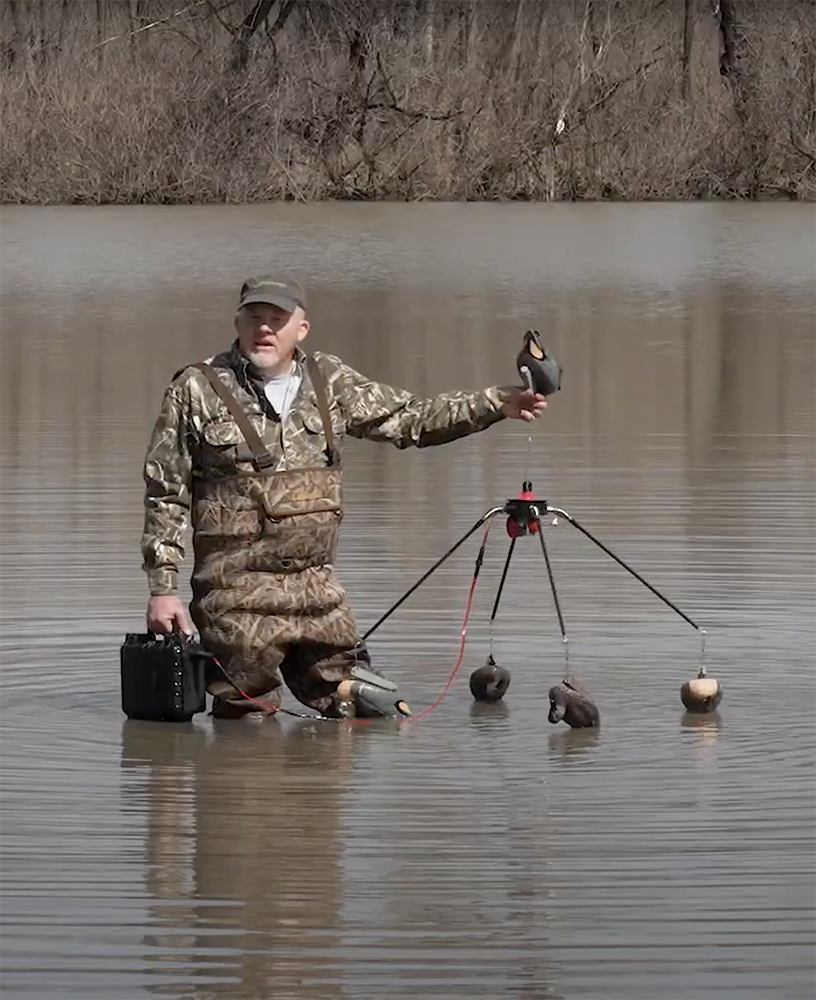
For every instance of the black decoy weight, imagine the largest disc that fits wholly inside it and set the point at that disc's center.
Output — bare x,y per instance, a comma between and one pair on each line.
490,681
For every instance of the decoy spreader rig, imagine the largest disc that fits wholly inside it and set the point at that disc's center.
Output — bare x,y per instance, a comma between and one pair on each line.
542,374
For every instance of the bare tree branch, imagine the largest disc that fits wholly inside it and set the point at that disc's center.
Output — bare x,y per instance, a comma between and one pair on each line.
254,20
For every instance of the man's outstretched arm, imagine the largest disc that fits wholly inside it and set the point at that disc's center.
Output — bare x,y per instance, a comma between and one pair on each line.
381,412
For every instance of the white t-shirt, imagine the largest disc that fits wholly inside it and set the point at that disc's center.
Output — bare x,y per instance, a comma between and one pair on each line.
281,391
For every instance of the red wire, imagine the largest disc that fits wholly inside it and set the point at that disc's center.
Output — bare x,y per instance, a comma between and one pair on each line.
430,708
267,708
408,718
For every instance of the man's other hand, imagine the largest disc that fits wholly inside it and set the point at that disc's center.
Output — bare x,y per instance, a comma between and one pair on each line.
166,613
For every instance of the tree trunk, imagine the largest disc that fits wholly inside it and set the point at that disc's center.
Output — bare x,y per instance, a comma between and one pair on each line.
15,50
688,30
731,56
741,77
467,20
254,19
587,26
63,18
512,60
133,16
101,15
428,40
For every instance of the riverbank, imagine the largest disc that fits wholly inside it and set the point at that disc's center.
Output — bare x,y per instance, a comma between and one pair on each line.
150,103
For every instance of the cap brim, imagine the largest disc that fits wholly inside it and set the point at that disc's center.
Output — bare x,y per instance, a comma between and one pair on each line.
271,299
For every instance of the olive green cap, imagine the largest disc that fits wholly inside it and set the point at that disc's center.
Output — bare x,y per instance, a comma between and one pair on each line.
283,292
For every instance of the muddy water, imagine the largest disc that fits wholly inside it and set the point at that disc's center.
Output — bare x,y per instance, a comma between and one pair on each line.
477,852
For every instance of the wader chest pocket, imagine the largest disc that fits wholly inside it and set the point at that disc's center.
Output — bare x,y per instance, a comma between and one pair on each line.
224,437
221,433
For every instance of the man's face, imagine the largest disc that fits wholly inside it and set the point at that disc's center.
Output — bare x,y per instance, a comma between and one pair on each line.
268,335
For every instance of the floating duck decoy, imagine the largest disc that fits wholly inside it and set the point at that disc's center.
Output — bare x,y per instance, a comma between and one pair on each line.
571,702
540,371
367,694
702,694
490,681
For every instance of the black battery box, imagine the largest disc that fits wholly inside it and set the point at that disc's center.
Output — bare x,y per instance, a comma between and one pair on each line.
163,677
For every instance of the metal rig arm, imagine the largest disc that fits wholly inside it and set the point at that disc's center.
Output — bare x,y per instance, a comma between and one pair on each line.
609,552
485,517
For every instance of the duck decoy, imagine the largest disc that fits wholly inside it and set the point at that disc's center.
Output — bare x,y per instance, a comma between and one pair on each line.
571,702
539,370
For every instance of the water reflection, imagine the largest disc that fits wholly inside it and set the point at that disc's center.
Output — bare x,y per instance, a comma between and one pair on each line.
483,715
572,744
707,729
243,853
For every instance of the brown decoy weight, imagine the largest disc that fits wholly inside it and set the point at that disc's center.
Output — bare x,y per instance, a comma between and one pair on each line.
702,694
490,681
571,702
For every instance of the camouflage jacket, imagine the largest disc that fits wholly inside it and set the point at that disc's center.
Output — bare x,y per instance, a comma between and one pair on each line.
195,435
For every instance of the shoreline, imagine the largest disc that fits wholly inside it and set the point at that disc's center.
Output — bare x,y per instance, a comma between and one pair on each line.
766,198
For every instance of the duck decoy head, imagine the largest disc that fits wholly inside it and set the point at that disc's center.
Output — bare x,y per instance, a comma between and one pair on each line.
539,370
558,707
490,681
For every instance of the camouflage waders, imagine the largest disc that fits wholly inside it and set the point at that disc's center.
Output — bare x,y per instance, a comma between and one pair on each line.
265,596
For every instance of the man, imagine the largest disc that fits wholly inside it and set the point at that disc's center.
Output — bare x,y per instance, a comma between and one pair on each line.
247,445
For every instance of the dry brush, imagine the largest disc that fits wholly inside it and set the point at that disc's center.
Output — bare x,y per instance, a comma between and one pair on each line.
196,101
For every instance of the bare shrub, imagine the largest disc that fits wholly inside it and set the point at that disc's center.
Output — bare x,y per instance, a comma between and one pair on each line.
147,101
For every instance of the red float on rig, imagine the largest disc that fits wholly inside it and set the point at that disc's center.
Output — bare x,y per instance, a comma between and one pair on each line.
515,528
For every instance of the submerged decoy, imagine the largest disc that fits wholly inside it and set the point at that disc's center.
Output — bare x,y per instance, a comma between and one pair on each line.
540,371
570,701
490,681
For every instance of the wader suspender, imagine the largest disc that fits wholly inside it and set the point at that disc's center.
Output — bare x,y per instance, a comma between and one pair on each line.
263,460
319,383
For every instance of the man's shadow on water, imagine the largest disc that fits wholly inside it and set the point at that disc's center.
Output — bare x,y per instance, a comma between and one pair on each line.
243,851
